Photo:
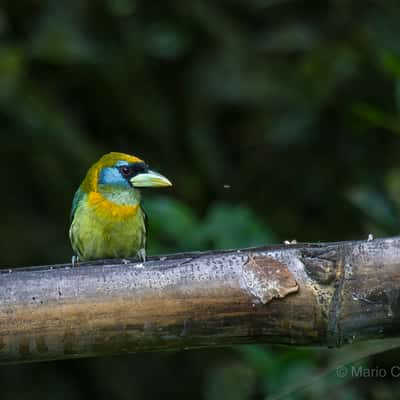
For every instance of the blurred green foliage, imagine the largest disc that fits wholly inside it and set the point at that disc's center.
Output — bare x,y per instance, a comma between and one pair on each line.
275,119
179,229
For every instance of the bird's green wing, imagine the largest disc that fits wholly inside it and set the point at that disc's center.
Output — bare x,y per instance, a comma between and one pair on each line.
146,229
75,202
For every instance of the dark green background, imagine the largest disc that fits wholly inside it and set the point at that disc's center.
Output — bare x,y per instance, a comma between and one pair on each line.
292,104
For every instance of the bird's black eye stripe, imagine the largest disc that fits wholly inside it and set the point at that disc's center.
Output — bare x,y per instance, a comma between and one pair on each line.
139,168
129,171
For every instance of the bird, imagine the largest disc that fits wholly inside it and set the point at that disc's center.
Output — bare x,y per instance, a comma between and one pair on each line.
107,219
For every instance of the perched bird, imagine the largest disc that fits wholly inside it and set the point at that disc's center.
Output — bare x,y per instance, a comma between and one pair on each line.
107,220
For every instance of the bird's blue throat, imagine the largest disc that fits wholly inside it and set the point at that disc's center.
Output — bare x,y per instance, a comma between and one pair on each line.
120,195
115,188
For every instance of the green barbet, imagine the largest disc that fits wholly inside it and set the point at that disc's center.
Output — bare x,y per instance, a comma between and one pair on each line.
107,219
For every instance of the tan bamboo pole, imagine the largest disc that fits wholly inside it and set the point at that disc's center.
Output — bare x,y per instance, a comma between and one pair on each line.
325,294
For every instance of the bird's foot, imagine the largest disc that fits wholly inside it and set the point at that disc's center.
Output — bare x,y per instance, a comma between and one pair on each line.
142,254
75,261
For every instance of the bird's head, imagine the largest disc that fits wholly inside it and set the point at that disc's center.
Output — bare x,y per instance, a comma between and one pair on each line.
122,171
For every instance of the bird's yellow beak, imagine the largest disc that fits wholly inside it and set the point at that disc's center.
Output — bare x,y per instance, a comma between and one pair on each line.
150,179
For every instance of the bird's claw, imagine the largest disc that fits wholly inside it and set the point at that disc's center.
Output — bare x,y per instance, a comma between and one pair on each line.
142,255
75,261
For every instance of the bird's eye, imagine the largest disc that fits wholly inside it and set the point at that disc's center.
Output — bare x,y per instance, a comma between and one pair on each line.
125,170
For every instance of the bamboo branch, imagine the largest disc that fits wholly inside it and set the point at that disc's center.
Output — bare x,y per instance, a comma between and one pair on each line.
326,294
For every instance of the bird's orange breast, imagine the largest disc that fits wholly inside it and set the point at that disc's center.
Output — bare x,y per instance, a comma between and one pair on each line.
107,209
